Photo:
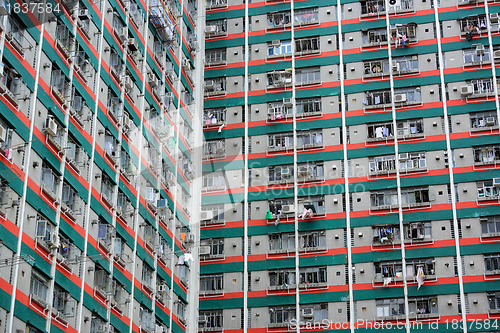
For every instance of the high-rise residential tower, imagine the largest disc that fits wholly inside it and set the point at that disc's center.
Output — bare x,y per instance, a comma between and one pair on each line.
98,126
350,165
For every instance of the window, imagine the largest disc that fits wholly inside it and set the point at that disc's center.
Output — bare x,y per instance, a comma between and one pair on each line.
390,307
283,241
146,318
114,105
104,233
50,181
313,275
398,31
147,275
64,39
305,139
63,302
486,155
10,80
116,64
314,312
284,48
44,229
416,231
181,309
407,161
211,283
374,36
97,324
376,99
278,111
281,173
490,225
214,148
476,24
70,198
15,33
476,54
107,189
110,145
312,239
395,269
216,28
377,7
211,319
282,278
409,197
123,203
277,20
60,84
215,56
215,86
211,4
482,87
214,117
482,120
214,181
216,246
217,211
308,106
67,249
307,45
149,235
405,128
306,16
486,190
492,263
494,302
307,75
420,306
279,79
38,287
276,206
281,314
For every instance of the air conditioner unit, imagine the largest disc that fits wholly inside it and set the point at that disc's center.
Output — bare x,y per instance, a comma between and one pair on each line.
494,17
202,319
209,84
123,34
127,123
3,134
399,98
496,54
403,156
210,29
207,215
287,102
161,287
286,172
54,241
185,64
288,209
132,44
308,312
51,126
303,171
204,250
466,90
84,14
490,121
276,42
496,181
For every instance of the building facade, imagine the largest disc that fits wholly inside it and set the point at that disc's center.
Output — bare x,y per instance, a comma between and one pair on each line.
350,165
98,125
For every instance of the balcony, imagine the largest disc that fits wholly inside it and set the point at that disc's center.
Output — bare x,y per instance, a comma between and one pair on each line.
488,190
481,88
215,29
279,79
487,156
383,99
390,235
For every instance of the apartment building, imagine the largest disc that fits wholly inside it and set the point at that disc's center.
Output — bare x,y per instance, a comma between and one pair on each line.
98,124
350,165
